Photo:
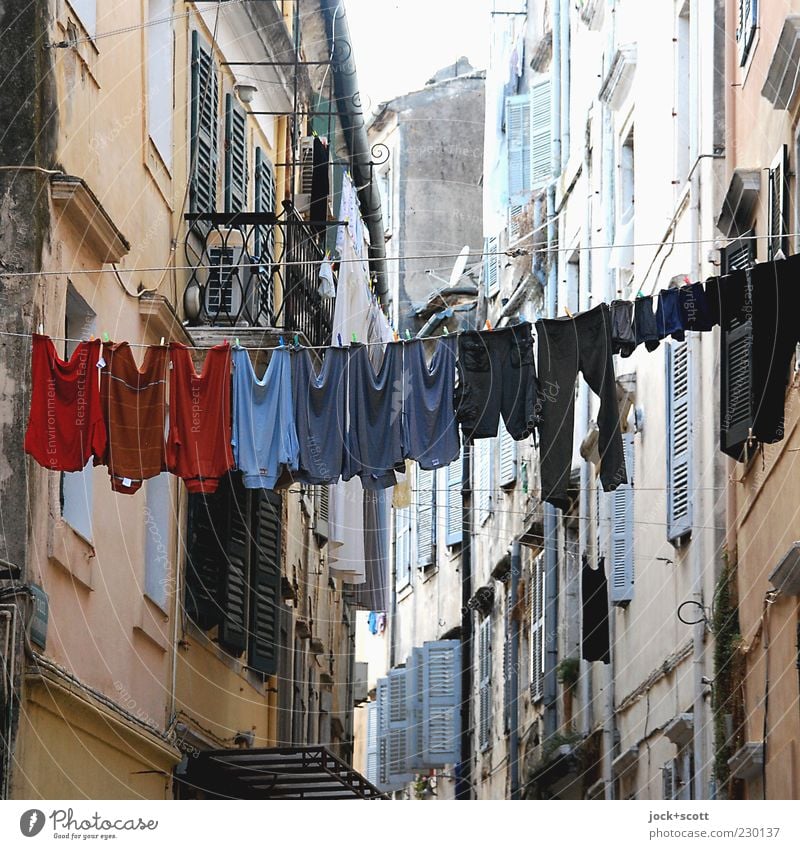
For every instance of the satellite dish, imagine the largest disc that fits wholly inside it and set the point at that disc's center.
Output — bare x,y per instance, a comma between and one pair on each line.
461,263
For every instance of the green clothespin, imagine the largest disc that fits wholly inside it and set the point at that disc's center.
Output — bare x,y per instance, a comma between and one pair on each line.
297,340
236,340
408,334
105,337
355,338
445,330
640,294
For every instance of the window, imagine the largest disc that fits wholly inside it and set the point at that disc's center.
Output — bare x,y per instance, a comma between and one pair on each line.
77,487
402,547
491,265
778,205
235,156
484,476
537,608
679,442
159,77
682,77
518,132
677,776
454,517
508,696
541,168
86,10
508,456
157,521
425,504
203,188
233,571
574,282
746,28
387,199
621,508
485,683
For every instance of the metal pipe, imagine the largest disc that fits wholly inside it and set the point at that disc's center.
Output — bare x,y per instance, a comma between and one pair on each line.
351,113
555,103
513,720
8,612
564,71
464,784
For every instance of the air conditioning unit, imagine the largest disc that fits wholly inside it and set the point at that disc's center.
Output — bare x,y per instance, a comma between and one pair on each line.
231,290
305,175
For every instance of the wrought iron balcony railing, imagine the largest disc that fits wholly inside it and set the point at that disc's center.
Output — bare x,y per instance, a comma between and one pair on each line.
256,269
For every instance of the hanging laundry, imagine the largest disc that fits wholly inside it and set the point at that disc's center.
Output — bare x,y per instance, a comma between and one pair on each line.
430,429
668,315
567,345
375,409
595,637
381,623
327,285
264,434
695,308
372,622
623,340
711,289
65,424
401,494
199,439
645,328
496,375
320,413
133,403
320,184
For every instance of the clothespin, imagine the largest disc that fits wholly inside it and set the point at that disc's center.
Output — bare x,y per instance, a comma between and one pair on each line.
408,334
106,338
161,343
640,294
236,340
396,336
522,317
297,340
488,325
91,337
355,338
339,337
566,310
41,330
445,330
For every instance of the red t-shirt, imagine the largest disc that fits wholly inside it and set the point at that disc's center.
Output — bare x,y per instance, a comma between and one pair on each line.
199,441
65,426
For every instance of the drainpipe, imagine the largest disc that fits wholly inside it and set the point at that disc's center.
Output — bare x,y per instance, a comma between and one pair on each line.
464,772
351,114
555,114
513,739
564,71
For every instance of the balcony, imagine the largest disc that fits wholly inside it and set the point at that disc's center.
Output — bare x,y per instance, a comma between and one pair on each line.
256,270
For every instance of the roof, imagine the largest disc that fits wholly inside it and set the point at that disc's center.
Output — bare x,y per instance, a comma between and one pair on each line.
302,772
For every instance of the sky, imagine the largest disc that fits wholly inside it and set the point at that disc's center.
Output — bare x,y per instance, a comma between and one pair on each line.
399,44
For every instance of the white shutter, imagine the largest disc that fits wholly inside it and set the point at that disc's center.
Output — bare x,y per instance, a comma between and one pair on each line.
508,456
483,477
402,547
426,516
321,510
518,135
415,689
540,135
679,442
485,683
622,532
491,265
397,746
382,723
515,213
372,742
454,517
537,590
441,692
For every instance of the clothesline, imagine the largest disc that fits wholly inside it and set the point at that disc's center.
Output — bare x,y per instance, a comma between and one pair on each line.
511,254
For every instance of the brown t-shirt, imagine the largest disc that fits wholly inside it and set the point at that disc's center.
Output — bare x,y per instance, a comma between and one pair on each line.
133,403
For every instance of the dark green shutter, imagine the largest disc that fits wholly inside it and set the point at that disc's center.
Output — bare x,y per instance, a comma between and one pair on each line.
265,201
266,579
235,156
205,557
203,186
234,589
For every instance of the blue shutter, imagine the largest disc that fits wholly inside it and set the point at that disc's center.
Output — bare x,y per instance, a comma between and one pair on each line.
372,743
382,723
622,531
441,706
415,686
426,516
508,696
235,156
537,591
485,683
483,451
454,518
397,746
679,442
518,143
508,456
203,186
540,135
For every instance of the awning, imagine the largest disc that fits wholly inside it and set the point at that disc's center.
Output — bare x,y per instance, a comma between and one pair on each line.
307,772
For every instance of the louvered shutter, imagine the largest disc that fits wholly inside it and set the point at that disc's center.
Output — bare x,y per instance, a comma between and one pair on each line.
485,683
515,217
507,694
540,135
235,156
483,455
737,388
265,608
518,133
622,531
426,516
668,781
746,30
382,722
508,456
397,746
321,510
235,584
441,708
491,265
778,204
679,442
265,201
372,743
415,686
537,590
402,547
203,186
205,559
454,518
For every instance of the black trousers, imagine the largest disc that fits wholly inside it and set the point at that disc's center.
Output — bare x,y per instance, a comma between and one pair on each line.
567,345
496,374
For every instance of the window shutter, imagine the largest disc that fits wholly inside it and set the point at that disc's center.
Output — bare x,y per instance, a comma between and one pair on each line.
321,510
205,556
402,547
265,201
203,189
668,780
397,747
508,456
264,649
622,532
537,584
518,133
382,722
748,18
235,156
441,705
679,442
778,204
454,518
233,627
426,516
483,456
507,694
485,682
491,265
737,387
738,255
540,135
372,742
415,687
